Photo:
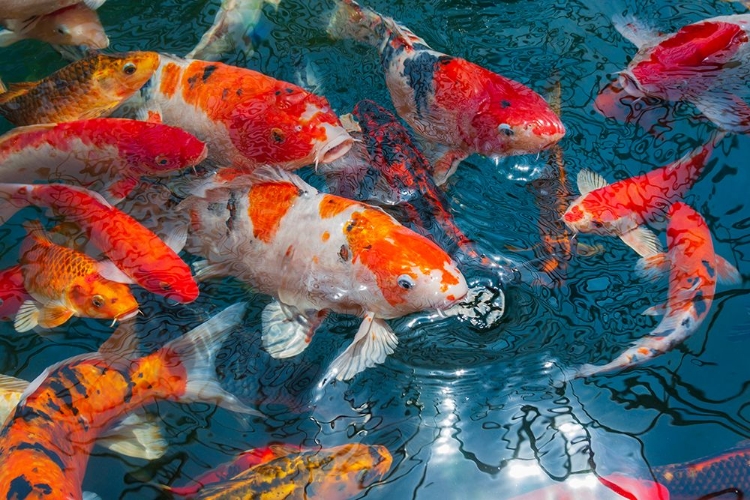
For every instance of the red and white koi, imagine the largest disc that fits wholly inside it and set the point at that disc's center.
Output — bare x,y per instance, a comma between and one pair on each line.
133,249
621,209
46,442
316,252
694,270
705,63
246,118
106,155
448,100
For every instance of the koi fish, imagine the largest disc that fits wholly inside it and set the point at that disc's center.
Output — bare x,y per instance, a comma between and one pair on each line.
448,100
46,442
73,25
592,487
24,9
621,208
316,252
246,118
64,283
694,270
232,29
89,88
12,292
133,249
340,472
107,155
704,63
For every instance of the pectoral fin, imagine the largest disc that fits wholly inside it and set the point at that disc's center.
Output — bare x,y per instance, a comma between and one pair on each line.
726,272
52,316
657,310
373,342
137,436
27,316
118,190
643,241
728,111
107,269
286,331
588,181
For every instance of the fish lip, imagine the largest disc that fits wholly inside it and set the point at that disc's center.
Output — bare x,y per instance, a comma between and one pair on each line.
335,148
126,316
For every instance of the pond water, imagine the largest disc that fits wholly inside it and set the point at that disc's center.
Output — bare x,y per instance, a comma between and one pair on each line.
465,412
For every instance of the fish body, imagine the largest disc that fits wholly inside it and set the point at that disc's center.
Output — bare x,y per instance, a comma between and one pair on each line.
704,63
46,442
336,473
12,292
449,100
24,9
89,88
246,118
73,25
620,209
231,30
64,283
694,270
107,155
316,252
133,249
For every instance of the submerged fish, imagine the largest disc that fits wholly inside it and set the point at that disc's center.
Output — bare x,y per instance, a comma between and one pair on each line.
107,155
448,100
593,487
694,270
704,63
316,252
133,249
89,88
64,283
23,9
46,442
337,473
232,29
246,118
621,209
73,25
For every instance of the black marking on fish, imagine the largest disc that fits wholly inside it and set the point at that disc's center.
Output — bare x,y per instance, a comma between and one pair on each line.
63,393
232,208
208,71
239,92
504,104
192,81
128,389
709,268
420,75
20,488
350,226
40,448
344,253
699,302
29,414
224,94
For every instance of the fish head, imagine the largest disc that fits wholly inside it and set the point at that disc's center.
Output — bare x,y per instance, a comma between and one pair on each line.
514,120
94,296
73,25
302,130
411,272
121,75
581,220
158,149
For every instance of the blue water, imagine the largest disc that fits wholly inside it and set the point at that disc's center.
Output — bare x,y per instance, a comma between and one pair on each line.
466,413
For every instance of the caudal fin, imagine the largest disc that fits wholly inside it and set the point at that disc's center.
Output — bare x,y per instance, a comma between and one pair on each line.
197,351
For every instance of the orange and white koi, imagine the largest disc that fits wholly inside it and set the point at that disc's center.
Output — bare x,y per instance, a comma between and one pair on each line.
64,283
448,100
107,155
705,63
46,442
316,252
246,118
694,270
621,209
73,25
89,88
133,249
336,473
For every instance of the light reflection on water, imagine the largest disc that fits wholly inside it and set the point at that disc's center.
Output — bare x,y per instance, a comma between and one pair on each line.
466,413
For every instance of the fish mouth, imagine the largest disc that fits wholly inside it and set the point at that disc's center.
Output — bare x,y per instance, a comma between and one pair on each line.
339,144
125,316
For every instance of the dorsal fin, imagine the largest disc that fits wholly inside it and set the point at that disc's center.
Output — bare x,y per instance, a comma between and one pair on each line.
14,90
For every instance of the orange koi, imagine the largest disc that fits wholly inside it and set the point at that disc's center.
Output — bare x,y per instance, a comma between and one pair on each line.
694,270
246,118
89,88
46,442
316,252
135,250
621,208
107,155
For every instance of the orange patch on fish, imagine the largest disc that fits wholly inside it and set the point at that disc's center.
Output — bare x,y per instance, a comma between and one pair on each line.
325,236
331,206
170,77
268,203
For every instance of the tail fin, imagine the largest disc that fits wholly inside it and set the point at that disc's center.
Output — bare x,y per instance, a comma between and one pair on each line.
350,20
197,351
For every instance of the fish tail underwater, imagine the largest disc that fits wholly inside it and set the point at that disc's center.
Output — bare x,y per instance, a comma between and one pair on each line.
370,249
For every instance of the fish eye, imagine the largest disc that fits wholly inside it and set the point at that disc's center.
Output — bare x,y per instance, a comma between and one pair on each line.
97,301
597,224
504,128
406,282
62,30
162,160
165,286
128,68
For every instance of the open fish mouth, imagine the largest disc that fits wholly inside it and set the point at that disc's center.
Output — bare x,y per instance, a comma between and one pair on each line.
339,144
125,316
